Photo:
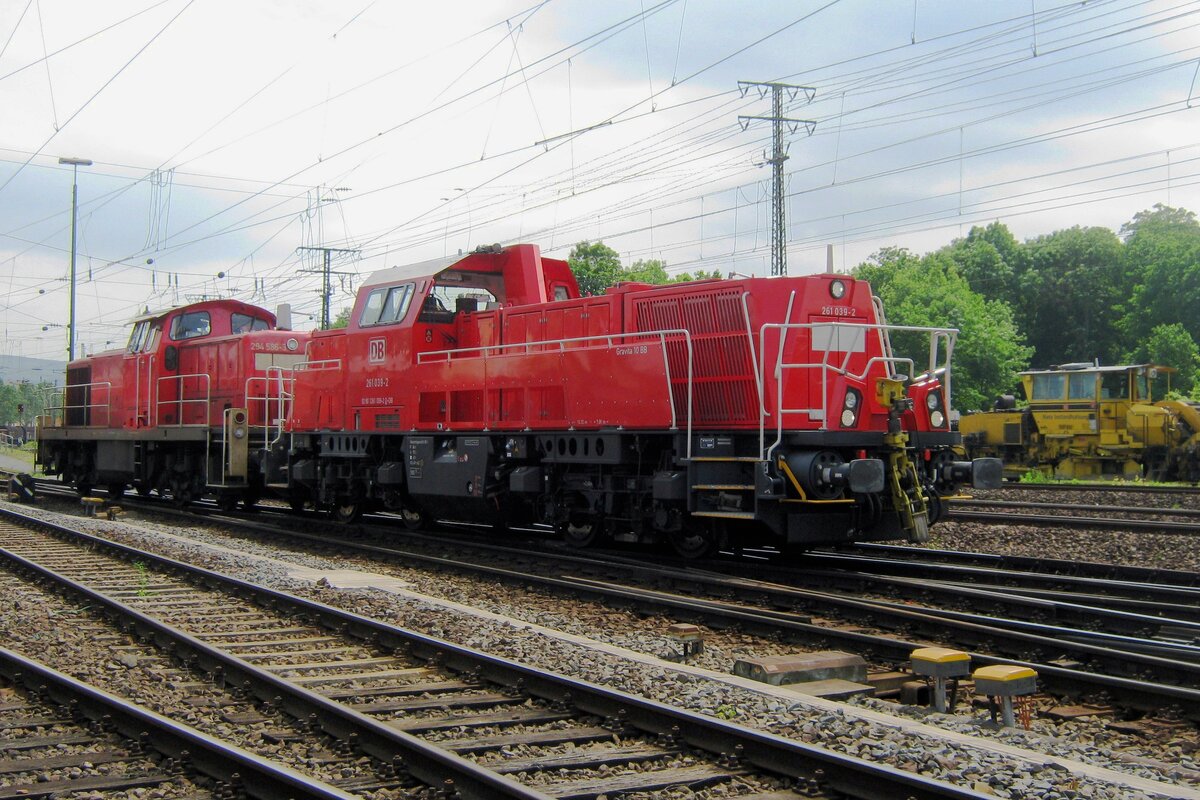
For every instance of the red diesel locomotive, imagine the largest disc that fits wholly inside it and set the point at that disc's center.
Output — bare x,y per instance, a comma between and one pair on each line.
485,389
187,408
711,414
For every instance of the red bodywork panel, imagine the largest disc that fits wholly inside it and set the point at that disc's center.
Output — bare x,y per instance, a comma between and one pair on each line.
215,367
525,360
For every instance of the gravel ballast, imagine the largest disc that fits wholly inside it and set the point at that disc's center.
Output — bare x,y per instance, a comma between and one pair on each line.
1000,766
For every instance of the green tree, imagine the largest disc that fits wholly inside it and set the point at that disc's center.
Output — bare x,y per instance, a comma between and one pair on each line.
1071,292
342,319
700,275
652,271
930,292
1162,258
1172,346
990,259
596,266
23,401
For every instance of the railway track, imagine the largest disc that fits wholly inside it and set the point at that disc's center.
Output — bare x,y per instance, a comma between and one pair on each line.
1130,664
1065,520
62,736
424,705
1132,488
1039,572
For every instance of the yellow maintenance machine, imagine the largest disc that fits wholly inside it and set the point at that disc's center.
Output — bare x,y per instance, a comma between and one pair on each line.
1091,422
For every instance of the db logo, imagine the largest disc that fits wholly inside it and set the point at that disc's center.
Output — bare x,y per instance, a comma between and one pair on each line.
376,351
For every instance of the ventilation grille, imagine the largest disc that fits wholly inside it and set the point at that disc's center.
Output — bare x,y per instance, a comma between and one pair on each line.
722,369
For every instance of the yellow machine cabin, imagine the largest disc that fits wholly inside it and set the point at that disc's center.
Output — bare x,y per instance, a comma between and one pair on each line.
1090,422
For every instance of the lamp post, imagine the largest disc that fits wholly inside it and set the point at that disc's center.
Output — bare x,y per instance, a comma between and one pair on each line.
75,163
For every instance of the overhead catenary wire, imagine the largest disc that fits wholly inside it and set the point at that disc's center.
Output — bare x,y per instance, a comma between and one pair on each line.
672,171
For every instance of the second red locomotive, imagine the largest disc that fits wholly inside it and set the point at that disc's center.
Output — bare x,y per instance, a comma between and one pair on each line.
186,409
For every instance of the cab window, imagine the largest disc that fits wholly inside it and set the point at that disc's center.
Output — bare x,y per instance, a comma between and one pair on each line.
1082,386
244,323
152,337
386,305
1114,386
190,325
1049,387
138,337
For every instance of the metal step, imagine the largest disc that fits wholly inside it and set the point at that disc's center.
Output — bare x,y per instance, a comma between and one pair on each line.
732,459
724,514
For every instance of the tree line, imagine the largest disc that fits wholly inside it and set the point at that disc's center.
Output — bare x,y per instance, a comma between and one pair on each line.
22,401
1079,294
1075,295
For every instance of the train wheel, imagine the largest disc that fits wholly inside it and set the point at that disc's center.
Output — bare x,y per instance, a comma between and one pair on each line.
414,519
700,541
144,489
116,490
296,504
583,532
934,503
251,497
181,492
346,513
227,502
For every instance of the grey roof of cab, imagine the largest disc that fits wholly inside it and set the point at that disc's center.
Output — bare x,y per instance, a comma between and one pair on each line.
1063,370
421,269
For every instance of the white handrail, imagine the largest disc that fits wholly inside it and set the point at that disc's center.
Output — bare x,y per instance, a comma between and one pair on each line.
57,412
283,397
317,366
609,341
762,402
179,402
935,334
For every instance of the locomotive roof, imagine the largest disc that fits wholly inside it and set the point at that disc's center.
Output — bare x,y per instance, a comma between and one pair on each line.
421,269
227,302
1086,367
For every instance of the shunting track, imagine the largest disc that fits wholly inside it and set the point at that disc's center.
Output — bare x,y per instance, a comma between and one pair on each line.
1141,658
55,737
420,705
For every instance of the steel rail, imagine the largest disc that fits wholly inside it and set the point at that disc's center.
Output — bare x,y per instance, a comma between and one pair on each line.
433,765
430,764
257,777
1097,486
1046,520
1133,691
1139,619
1099,509
1133,618
1050,567
1145,594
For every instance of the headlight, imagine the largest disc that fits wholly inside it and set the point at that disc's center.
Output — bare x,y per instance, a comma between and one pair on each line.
932,400
239,433
937,419
850,408
292,344
837,290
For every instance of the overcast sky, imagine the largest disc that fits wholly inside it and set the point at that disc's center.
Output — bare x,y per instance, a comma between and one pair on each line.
226,135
